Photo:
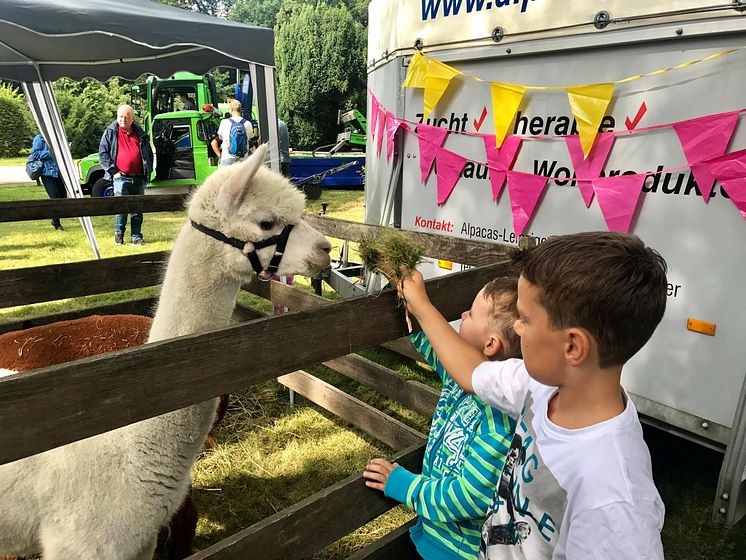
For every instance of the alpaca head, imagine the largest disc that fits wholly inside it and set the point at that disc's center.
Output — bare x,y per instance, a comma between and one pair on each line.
249,202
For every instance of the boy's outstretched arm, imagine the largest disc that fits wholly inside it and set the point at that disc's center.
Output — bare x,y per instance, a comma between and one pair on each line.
457,356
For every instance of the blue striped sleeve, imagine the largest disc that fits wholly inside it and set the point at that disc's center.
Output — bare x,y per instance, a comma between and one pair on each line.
421,343
461,496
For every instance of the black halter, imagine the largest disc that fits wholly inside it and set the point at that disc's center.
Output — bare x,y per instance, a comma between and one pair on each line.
280,241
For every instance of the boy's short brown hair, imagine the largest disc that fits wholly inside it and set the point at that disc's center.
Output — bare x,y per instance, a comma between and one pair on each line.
609,284
502,293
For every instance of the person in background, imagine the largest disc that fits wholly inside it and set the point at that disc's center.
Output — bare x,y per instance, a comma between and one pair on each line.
189,104
50,175
127,160
235,139
284,145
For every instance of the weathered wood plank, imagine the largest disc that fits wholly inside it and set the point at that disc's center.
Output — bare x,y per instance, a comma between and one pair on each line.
395,546
47,283
390,431
244,313
144,306
410,393
404,347
24,210
475,253
73,401
305,528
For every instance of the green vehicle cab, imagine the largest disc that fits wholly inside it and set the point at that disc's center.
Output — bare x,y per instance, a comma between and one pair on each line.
181,138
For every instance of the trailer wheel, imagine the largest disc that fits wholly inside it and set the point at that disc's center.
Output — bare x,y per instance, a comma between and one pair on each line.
312,191
102,187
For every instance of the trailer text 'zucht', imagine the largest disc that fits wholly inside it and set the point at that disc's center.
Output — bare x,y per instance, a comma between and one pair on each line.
431,8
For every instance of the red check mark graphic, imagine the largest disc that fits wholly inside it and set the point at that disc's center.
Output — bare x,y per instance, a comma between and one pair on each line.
631,124
478,122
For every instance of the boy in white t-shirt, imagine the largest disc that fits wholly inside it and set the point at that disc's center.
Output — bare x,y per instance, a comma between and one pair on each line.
577,482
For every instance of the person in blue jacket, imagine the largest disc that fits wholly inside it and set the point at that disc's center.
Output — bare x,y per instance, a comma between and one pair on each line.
468,444
50,174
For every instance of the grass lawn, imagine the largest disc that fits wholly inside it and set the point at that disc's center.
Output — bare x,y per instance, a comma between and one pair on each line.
13,161
272,455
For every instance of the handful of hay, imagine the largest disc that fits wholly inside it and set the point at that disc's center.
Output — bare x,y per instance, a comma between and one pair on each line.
388,253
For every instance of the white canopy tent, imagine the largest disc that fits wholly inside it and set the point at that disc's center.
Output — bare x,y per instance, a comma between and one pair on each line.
44,40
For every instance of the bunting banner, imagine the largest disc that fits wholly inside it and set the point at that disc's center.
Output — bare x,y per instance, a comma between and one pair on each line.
500,160
730,170
449,168
703,139
590,167
525,191
437,78
588,105
506,98
430,139
392,127
373,121
618,197
416,72
382,117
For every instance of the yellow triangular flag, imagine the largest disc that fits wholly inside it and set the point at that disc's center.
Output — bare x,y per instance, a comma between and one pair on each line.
588,104
437,78
416,71
506,99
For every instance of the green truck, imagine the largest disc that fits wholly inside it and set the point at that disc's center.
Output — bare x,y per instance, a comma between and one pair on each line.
181,137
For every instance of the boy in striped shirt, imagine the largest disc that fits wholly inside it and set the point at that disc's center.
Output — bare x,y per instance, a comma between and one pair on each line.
468,440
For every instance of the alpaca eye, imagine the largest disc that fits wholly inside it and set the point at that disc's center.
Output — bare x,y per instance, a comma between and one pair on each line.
266,225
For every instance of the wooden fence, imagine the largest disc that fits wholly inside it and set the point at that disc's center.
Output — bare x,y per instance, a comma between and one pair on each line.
99,395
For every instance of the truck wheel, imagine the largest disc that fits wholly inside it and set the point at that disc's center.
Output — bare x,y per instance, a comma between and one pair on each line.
102,187
312,191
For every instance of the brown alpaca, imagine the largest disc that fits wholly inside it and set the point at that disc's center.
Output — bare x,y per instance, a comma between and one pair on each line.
66,341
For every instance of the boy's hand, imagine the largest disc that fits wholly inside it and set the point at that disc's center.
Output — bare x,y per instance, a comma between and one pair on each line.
377,473
412,290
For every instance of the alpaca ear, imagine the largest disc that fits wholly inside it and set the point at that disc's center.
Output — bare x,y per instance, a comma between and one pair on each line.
235,189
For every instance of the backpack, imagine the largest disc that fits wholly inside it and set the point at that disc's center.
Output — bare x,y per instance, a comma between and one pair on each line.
34,168
238,139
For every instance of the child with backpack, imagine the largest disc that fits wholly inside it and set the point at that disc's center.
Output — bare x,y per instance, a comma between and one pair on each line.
577,482
234,133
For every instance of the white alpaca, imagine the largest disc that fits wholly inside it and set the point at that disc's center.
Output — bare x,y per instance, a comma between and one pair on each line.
105,498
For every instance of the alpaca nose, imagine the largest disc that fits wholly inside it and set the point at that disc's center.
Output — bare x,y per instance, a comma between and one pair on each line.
325,246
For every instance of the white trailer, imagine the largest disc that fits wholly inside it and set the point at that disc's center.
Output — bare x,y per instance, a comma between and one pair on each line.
684,381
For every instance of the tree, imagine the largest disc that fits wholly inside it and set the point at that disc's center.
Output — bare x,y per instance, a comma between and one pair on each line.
87,108
320,56
209,7
17,128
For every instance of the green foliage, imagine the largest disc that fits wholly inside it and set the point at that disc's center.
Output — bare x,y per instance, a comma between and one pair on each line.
255,12
320,56
87,108
209,7
17,128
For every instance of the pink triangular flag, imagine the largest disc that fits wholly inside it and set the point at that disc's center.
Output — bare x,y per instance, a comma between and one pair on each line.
617,197
703,139
500,160
448,170
591,166
392,127
525,190
431,138
382,118
730,170
373,115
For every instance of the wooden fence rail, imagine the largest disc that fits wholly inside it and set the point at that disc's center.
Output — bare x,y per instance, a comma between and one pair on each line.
68,402
24,210
305,528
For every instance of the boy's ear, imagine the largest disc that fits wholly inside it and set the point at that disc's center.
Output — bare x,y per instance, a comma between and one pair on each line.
493,348
578,346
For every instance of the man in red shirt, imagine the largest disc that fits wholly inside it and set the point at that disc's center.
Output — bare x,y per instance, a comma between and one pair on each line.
127,159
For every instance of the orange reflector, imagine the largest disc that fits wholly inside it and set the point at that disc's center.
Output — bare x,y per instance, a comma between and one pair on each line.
699,326
448,265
